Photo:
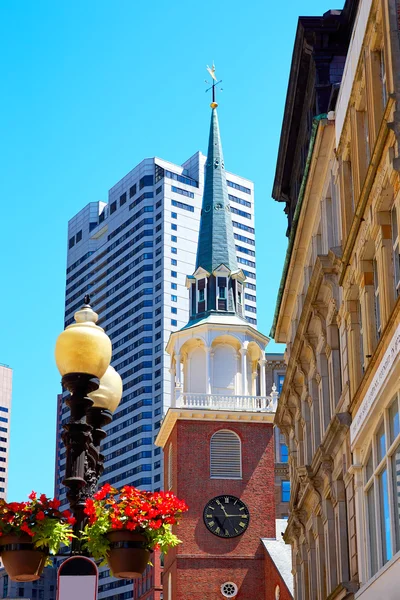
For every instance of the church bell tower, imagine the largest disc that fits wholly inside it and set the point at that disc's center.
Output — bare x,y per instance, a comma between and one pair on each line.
217,436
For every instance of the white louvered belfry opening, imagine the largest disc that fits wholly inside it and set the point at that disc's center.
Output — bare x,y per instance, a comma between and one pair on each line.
225,455
170,478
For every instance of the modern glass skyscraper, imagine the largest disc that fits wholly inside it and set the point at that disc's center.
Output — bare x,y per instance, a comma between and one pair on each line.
5,413
132,256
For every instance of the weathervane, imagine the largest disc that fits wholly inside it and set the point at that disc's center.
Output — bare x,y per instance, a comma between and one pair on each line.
211,70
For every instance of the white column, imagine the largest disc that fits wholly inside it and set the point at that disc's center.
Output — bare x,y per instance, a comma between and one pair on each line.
172,375
178,370
254,380
208,370
188,375
211,370
243,352
263,383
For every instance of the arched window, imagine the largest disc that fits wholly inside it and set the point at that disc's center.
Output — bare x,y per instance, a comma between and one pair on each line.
170,481
225,455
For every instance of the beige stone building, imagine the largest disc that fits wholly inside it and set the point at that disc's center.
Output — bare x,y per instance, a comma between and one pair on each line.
338,309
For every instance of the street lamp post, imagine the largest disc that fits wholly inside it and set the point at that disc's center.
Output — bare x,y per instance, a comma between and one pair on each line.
83,355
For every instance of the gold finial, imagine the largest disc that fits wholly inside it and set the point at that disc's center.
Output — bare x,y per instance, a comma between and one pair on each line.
211,71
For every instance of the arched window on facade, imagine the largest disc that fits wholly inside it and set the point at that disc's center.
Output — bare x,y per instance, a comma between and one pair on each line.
225,455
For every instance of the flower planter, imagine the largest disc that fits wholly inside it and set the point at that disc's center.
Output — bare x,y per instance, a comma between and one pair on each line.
128,556
22,561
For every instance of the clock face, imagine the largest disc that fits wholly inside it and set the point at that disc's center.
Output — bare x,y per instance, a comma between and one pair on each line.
226,516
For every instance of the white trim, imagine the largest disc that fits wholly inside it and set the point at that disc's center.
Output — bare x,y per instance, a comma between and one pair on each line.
350,68
376,385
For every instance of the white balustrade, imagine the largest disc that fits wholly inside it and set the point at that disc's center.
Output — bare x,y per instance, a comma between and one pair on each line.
221,402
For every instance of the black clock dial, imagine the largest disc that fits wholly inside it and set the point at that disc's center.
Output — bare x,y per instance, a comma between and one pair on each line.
226,516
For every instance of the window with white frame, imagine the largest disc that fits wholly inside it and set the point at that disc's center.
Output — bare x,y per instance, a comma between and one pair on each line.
382,490
225,455
396,250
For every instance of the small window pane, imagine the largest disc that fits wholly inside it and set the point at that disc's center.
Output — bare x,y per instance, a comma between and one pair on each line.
284,453
385,517
381,442
285,489
396,493
394,420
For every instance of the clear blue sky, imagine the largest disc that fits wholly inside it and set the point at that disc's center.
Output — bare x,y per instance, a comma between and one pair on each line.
89,89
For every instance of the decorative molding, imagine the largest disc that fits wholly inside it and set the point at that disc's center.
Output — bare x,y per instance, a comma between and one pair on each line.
381,373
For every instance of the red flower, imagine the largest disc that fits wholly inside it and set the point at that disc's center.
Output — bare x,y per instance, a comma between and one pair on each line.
24,527
32,496
40,516
43,498
54,503
71,520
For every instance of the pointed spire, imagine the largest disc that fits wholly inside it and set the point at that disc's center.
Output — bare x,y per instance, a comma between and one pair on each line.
216,241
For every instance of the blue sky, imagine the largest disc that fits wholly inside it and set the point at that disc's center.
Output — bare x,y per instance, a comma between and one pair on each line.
89,89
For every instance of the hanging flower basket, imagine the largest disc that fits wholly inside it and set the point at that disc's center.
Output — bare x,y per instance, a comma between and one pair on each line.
29,532
21,560
125,526
128,554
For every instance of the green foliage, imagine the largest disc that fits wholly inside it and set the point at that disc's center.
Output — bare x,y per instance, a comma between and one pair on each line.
51,534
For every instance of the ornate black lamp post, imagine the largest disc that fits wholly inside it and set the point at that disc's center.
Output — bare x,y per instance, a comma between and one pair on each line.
83,355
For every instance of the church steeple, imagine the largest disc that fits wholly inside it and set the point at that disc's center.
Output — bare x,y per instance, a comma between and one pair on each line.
216,287
216,242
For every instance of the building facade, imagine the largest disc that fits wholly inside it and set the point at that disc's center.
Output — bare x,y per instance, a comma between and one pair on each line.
338,313
275,369
217,435
5,415
132,255
44,588
150,585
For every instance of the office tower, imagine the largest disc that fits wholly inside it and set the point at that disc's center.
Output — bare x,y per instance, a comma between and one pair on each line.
5,412
132,256
44,588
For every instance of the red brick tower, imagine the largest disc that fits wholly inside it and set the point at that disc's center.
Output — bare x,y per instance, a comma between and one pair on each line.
195,442
217,435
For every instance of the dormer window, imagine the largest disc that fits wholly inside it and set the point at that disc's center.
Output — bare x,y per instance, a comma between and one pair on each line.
239,298
222,283
201,295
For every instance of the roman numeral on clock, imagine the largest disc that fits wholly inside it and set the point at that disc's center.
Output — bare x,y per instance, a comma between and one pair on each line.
223,519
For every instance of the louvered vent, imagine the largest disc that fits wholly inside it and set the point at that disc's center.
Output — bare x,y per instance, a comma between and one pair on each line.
170,474
225,455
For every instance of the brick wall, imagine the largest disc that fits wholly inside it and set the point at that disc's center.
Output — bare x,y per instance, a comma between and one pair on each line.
272,579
